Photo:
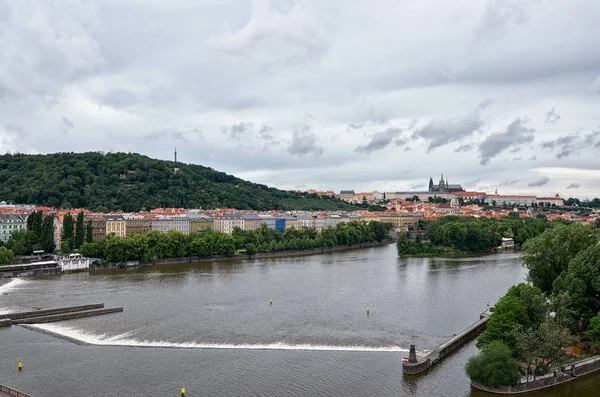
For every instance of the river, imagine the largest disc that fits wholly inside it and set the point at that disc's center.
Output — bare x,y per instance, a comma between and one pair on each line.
209,327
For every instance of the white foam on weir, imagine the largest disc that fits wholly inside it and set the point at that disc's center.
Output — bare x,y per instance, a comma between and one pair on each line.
12,285
81,336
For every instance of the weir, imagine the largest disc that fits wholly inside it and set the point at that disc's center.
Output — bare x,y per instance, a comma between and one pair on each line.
57,314
417,364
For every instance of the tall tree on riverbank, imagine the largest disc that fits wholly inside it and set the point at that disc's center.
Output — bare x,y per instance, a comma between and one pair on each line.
68,230
548,255
47,236
79,238
89,232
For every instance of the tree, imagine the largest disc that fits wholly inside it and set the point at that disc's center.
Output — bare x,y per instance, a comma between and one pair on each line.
534,299
509,314
548,255
6,256
494,366
65,248
89,232
79,231
68,229
250,250
593,331
579,288
47,236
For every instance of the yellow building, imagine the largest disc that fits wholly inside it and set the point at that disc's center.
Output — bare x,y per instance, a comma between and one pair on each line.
201,222
401,221
116,224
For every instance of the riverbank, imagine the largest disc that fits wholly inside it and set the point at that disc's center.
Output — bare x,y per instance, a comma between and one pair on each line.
240,256
556,376
451,253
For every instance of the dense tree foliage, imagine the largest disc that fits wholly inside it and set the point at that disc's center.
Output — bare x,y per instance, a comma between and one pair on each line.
130,182
38,235
578,289
6,256
595,203
155,245
494,366
536,322
468,234
548,255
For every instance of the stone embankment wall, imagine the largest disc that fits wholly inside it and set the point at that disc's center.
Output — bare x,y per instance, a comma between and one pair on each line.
426,362
12,392
557,376
47,312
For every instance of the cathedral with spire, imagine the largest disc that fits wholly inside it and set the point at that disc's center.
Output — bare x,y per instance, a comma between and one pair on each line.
443,186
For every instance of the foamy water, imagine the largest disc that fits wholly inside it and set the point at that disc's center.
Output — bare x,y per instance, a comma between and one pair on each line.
81,336
12,285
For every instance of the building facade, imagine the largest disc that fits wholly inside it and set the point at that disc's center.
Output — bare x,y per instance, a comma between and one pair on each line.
166,223
115,224
10,223
137,224
226,223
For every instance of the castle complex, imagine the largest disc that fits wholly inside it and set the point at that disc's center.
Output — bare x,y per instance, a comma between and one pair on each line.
443,187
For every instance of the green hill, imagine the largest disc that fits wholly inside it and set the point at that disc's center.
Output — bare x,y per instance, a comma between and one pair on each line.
130,182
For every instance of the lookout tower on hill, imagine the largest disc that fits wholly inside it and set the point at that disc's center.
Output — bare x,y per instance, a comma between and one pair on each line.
175,154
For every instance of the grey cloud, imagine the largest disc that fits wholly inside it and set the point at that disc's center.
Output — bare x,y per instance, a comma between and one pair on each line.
305,142
564,153
240,130
407,149
67,122
400,142
417,186
464,148
508,183
297,28
442,132
498,16
515,150
354,126
185,136
516,133
532,158
118,98
380,140
552,116
560,142
540,182
265,133
573,186
516,158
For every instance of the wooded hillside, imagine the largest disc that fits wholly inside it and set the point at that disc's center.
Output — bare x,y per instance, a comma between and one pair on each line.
131,182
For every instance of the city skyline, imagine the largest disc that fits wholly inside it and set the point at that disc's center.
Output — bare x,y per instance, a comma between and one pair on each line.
274,91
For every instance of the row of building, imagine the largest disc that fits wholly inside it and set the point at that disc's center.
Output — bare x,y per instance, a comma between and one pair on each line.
445,190
190,221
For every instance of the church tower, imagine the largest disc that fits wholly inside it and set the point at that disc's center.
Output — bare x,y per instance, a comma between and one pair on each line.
430,184
442,184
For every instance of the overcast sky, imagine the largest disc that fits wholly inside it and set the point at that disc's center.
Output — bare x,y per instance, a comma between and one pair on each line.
325,94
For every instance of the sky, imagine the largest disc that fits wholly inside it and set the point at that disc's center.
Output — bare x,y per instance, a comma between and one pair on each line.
315,94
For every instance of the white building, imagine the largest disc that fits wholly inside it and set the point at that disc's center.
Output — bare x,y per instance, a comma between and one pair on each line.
10,223
166,223
269,220
226,223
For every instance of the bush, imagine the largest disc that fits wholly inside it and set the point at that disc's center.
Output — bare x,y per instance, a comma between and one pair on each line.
494,366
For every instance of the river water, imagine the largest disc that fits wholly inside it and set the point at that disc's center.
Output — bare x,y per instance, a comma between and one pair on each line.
209,327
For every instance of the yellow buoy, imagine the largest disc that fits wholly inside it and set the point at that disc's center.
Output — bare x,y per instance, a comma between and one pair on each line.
183,392
270,301
20,366
368,310
85,282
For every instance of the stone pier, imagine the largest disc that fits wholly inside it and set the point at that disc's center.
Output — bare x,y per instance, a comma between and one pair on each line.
417,364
